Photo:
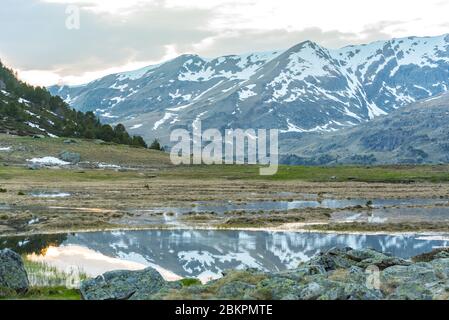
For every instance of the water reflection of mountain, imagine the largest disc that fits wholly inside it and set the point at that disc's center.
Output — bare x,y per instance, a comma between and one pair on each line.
202,253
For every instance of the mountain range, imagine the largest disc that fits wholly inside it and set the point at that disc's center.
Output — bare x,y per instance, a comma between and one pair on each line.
307,89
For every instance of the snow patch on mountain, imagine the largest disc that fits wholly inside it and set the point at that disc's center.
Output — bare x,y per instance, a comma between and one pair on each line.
160,122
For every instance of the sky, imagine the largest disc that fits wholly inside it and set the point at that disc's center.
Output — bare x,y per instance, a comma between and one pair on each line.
77,41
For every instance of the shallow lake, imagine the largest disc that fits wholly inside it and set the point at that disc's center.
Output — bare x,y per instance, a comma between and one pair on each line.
202,254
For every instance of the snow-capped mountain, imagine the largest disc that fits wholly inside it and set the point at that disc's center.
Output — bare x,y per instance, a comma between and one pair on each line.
306,88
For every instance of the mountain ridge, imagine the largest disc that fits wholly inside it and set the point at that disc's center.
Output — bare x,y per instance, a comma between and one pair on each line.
306,88
416,134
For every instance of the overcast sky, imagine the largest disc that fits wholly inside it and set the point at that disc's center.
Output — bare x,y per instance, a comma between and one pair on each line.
118,35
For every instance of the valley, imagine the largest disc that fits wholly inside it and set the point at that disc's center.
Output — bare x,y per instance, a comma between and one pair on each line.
122,207
105,191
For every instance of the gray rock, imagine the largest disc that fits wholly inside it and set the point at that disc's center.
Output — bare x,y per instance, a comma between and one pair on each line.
311,292
278,288
71,157
70,141
234,290
337,274
13,275
421,281
123,285
34,166
439,253
337,258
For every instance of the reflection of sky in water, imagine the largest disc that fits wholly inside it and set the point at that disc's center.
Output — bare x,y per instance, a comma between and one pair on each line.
50,194
205,254
402,214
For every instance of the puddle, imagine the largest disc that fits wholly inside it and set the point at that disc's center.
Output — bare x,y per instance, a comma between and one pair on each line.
4,207
402,214
50,194
202,254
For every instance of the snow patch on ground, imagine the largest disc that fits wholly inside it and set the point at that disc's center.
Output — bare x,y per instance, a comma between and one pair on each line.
49,161
108,166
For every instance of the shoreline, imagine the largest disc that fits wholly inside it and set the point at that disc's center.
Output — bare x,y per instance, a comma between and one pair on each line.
280,229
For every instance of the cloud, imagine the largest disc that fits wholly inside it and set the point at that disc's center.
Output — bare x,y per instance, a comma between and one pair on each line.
40,39
115,35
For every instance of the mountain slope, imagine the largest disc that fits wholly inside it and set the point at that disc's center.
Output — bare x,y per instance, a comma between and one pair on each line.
306,88
418,133
27,110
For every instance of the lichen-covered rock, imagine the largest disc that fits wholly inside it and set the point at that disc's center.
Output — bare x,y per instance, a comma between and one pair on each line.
70,141
337,274
337,258
440,253
13,275
279,288
123,285
234,290
71,157
420,281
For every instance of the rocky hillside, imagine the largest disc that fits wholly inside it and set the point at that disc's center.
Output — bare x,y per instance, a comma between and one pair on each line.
307,88
416,134
32,111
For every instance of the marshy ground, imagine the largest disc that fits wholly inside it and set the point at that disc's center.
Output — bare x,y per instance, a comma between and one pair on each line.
142,190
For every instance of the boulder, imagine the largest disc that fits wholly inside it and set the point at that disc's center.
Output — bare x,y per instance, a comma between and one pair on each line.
13,275
438,253
123,285
345,258
70,141
34,166
234,290
71,157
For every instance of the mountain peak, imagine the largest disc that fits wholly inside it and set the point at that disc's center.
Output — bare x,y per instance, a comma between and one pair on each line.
306,88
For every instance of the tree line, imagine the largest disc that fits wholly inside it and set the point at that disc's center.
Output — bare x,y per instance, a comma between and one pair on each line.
67,122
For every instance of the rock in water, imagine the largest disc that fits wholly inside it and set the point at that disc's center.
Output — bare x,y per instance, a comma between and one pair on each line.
71,157
13,275
123,285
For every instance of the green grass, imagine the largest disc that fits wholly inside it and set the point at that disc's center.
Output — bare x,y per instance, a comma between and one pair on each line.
393,174
46,293
7,173
25,148
188,282
43,275
47,283
389,174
